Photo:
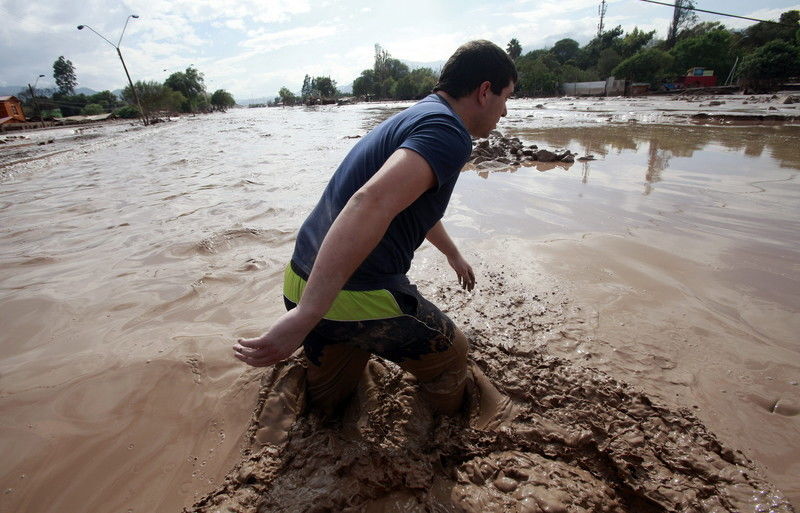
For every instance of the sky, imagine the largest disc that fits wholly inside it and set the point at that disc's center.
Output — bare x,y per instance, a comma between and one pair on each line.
252,48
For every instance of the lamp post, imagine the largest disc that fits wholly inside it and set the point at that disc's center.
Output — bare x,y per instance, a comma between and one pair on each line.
116,46
35,103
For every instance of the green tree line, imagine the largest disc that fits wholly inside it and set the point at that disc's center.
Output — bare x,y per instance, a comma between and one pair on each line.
183,91
767,54
764,54
388,79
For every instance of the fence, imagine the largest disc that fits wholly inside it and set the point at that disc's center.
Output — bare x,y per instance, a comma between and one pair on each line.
608,87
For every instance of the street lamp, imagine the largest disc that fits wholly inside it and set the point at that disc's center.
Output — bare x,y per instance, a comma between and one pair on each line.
33,96
116,46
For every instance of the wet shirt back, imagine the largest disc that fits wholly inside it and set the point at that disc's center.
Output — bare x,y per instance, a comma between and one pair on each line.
429,128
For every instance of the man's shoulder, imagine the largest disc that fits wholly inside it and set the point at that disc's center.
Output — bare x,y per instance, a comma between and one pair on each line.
433,110
432,104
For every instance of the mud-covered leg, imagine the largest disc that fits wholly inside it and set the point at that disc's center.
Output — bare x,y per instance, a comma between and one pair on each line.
336,377
442,375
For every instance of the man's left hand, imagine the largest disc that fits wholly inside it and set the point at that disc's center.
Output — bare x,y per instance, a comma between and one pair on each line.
466,276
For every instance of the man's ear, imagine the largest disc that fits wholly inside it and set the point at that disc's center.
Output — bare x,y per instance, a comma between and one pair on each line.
483,92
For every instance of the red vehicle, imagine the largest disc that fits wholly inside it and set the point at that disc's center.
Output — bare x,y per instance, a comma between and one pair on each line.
697,77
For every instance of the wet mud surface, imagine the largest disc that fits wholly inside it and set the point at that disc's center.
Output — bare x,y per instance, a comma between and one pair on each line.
559,437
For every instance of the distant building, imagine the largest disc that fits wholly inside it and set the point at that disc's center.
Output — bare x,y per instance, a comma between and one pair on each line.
11,110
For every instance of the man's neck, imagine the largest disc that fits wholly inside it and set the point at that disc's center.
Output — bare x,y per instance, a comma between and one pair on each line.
463,107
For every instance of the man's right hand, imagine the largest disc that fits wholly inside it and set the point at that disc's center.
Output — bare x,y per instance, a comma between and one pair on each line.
285,336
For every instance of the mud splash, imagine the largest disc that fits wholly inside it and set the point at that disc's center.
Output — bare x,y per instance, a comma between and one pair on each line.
557,437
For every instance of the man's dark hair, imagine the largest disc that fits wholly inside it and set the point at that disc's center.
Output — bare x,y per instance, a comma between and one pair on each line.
474,63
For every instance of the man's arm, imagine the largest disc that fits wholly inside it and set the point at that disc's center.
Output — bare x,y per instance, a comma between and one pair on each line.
439,237
361,224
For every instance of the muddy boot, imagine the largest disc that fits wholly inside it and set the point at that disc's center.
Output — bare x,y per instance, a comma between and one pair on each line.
365,400
488,408
284,402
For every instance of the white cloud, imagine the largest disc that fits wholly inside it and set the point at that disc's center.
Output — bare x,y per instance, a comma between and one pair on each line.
553,10
284,39
761,14
265,41
260,11
425,48
235,24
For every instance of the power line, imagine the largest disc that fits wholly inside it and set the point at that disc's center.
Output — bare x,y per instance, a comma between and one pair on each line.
719,13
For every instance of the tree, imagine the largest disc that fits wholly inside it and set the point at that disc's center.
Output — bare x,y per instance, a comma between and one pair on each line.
286,97
607,61
565,49
326,87
648,66
712,50
380,66
634,41
535,77
589,54
127,112
700,29
70,104
318,87
155,97
191,85
682,16
761,33
92,109
105,99
64,74
768,65
387,88
570,73
222,100
364,85
416,84
514,49
388,71
307,90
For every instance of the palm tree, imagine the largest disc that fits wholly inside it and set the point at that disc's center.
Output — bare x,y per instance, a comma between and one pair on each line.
514,49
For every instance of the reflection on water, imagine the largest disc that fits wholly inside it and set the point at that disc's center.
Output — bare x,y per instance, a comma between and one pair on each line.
679,141
657,161
739,185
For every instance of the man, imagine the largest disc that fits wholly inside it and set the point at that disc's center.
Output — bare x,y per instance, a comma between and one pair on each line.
346,288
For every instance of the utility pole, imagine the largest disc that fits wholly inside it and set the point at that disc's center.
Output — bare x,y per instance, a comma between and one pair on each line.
602,11
116,46
135,94
32,89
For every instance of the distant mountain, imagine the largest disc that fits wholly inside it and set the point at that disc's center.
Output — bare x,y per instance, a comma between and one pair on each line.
251,101
12,90
15,90
436,66
86,91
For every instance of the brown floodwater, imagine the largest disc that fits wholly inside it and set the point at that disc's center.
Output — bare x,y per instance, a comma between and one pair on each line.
129,263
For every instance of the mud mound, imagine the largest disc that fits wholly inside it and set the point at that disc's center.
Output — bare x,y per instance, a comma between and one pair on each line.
553,436
572,440
504,150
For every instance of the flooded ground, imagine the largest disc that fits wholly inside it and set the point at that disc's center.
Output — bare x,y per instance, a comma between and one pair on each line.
131,258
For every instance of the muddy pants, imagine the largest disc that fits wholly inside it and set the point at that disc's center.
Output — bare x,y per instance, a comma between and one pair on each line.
396,324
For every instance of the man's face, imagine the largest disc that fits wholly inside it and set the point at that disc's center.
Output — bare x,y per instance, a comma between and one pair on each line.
494,109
